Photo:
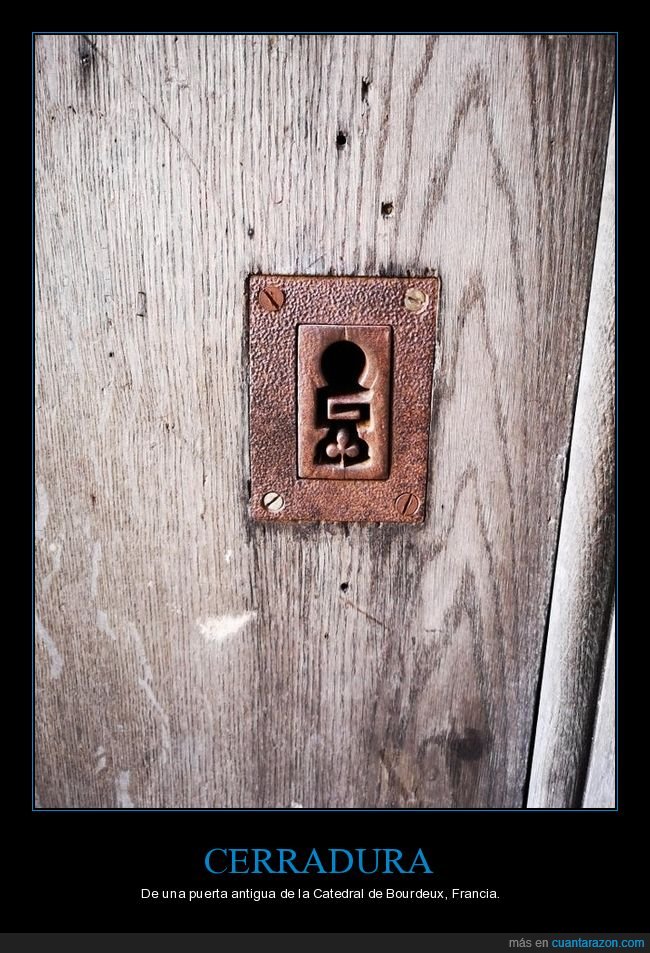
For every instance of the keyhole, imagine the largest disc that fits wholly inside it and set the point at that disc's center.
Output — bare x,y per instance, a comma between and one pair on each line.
342,364
341,402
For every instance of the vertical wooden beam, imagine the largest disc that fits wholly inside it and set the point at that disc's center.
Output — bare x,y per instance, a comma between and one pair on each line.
600,789
584,572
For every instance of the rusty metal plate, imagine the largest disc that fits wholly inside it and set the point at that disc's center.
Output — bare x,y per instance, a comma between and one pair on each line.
348,447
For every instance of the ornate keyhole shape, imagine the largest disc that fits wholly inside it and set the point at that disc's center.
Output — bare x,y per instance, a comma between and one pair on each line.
340,404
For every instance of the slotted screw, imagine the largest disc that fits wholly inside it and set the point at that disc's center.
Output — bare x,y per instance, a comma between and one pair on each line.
407,504
271,298
272,501
415,299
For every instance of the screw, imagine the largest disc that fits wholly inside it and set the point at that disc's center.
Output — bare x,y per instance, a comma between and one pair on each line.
272,501
408,504
415,300
271,298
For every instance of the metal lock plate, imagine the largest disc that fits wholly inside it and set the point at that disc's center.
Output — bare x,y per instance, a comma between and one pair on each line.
340,397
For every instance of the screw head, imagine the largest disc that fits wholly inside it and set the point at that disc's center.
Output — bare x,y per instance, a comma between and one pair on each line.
415,299
271,298
407,504
272,501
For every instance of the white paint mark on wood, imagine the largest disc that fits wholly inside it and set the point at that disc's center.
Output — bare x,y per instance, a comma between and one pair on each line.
122,790
296,804
101,621
106,408
42,510
56,660
145,681
94,574
228,556
55,549
100,754
219,628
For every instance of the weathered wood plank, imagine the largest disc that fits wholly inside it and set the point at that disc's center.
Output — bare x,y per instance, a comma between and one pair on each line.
600,788
185,657
584,574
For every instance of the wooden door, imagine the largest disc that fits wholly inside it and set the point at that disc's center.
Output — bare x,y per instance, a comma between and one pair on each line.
186,657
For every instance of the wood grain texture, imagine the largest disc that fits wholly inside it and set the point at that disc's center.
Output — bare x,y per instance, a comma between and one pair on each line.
184,656
584,575
600,787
